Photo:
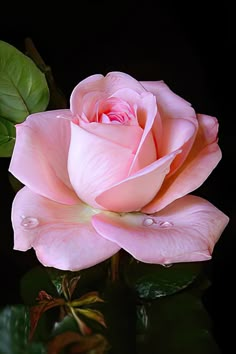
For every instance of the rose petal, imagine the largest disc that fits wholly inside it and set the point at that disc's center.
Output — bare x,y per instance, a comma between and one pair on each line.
177,134
169,104
135,191
127,136
178,119
62,235
202,159
185,231
146,113
96,87
127,94
95,164
39,158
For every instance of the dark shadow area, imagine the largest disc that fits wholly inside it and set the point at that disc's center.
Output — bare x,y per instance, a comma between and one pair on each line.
190,48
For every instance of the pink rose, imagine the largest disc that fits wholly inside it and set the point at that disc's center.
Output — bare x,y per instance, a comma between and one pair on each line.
113,172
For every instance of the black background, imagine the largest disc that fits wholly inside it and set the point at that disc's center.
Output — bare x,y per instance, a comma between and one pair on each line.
187,46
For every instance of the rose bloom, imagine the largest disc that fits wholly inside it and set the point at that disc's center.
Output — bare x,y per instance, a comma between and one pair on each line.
115,171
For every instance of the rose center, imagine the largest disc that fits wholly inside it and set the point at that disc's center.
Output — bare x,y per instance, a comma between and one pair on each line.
115,111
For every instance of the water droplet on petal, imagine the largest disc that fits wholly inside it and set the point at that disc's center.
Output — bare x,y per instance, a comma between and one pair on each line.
165,224
148,222
167,265
29,222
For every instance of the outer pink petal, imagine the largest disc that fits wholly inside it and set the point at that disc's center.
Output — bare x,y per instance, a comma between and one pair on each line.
178,119
95,164
39,158
185,231
169,104
202,159
62,235
99,87
135,191
177,134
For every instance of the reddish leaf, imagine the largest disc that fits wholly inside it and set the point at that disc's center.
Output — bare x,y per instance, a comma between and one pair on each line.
62,340
96,344
69,285
46,302
42,295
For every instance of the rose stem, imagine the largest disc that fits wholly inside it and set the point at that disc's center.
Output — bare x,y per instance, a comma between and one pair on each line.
115,266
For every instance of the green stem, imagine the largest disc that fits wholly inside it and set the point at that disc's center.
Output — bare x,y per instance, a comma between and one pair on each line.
57,98
115,267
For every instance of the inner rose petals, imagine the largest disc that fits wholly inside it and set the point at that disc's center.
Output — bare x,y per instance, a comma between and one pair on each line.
128,136
98,87
95,164
146,113
114,110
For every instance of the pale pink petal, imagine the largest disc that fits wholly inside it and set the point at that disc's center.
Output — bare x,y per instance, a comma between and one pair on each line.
185,231
146,113
95,164
202,159
177,134
127,94
179,123
62,235
135,191
128,136
98,87
40,155
157,132
169,104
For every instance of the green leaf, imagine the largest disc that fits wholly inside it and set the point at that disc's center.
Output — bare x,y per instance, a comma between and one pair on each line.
90,279
7,137
14,331
87,299
23,87
176,324
57,98
67,324
151,281
33,282
92,314
64,281
69,284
